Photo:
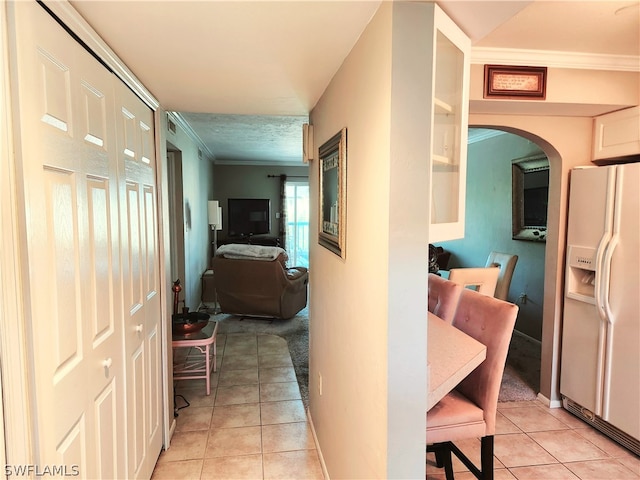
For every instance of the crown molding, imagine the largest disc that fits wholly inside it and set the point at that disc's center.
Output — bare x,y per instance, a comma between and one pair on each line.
585,61
191,133
478,134
78,26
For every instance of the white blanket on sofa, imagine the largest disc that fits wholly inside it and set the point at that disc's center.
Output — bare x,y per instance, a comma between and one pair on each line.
250,252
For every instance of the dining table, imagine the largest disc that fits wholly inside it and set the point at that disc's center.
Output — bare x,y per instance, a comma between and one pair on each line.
451,356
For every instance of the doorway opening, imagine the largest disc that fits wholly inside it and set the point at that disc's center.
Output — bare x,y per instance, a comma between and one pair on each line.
176,212
297,208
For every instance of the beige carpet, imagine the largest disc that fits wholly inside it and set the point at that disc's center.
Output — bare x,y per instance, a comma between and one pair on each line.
521,380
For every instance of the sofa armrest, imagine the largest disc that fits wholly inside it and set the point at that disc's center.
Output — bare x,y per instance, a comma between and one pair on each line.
297,278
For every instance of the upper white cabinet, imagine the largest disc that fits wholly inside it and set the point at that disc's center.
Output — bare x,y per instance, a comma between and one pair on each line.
450,118
617,134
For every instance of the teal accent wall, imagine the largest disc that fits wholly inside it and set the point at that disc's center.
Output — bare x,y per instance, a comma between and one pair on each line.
488,225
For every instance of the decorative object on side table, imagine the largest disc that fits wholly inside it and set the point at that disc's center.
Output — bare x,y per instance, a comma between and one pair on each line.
187,322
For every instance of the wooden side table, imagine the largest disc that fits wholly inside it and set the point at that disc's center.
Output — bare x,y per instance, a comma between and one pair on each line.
196,363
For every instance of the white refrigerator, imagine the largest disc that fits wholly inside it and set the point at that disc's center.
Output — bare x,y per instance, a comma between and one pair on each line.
600,359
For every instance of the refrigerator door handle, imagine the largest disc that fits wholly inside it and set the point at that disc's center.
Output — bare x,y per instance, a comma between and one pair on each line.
601,291
606,279
602,326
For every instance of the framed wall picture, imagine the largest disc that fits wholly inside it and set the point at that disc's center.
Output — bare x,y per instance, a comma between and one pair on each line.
502,81
333,193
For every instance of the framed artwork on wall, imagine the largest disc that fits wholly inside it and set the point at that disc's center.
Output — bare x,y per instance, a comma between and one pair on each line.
333,193
530,194
509,82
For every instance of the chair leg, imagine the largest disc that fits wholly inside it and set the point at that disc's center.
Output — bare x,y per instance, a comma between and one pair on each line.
440,455
486,457
448,465
439,450
444,450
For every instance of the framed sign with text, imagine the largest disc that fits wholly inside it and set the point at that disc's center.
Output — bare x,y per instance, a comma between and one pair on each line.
503,81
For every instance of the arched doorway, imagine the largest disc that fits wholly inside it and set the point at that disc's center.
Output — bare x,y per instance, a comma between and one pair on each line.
567,143
488,227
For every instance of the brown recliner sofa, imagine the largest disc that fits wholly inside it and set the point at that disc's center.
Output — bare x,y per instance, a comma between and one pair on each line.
253,280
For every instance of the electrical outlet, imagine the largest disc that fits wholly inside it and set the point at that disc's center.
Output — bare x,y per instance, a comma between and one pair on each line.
319,384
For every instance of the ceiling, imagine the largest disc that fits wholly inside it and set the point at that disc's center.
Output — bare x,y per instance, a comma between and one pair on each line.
245,74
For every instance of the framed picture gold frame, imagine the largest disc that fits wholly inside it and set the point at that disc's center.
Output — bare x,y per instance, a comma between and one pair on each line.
502,81
333,193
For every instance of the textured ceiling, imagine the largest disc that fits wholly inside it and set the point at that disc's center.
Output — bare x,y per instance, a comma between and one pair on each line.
250,139
245,74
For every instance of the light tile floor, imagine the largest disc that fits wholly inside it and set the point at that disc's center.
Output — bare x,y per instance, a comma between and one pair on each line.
533,442
252,426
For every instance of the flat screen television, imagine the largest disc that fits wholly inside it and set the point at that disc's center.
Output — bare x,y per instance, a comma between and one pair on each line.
249,216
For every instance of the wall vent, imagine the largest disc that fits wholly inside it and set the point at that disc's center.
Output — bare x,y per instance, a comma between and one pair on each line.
598,423
171,126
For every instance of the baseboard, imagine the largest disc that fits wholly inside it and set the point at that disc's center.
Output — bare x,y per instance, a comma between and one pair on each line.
172,429
549,403
524,335
318,449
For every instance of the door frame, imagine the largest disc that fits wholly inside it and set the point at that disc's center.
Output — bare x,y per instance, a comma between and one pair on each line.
175,196
16,418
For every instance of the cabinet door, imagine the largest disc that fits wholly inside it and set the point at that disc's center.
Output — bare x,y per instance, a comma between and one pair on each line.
450,130
617,134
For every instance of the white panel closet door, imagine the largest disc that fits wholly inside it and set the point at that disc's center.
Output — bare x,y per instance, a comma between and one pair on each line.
89,286
68,141
136,167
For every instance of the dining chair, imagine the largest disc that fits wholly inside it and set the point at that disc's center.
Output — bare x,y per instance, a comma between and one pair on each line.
481,279
443,296
506,262
469,411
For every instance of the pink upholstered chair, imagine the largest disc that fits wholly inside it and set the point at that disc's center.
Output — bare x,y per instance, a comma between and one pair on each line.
443,296
469,411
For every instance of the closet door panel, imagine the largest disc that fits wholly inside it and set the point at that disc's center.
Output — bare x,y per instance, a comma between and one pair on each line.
139,226
69,177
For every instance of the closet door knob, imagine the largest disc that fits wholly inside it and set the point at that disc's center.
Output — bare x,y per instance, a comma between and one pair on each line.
106,363
139,328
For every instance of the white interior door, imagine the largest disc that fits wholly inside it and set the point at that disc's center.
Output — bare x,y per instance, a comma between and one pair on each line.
138,214
70,187
87,167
